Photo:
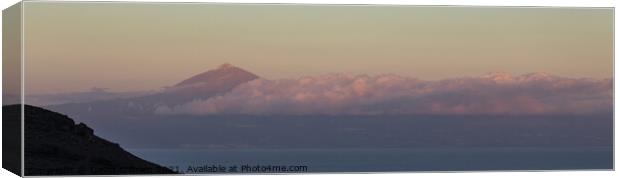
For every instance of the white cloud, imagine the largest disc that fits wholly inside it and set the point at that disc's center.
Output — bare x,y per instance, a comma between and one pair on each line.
345,94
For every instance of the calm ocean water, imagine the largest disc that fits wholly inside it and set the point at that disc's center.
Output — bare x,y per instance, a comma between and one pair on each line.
380,160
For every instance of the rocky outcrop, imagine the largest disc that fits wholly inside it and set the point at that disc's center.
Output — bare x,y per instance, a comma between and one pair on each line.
56,145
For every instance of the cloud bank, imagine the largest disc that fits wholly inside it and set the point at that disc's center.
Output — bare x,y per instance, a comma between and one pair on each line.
347,94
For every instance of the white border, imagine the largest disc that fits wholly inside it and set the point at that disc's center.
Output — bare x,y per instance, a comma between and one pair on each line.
22,94
556,3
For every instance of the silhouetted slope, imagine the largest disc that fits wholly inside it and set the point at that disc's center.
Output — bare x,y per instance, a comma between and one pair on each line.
55,145
11,139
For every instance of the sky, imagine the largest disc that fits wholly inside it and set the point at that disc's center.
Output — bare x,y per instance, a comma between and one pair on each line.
139,46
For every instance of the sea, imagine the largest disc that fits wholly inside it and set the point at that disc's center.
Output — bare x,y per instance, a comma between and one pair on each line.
242,161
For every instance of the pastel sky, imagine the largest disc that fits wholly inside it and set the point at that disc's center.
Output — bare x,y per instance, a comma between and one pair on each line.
141,46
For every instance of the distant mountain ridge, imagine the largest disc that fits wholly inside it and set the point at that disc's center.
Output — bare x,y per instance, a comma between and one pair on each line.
201,86
232,90
454,103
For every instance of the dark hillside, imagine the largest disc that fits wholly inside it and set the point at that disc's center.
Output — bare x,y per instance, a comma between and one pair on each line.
56,145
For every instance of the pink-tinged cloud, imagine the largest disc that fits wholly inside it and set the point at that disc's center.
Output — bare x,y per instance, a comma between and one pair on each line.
345,94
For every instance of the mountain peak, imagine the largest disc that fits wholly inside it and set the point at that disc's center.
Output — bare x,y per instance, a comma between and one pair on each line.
226,65
225,73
